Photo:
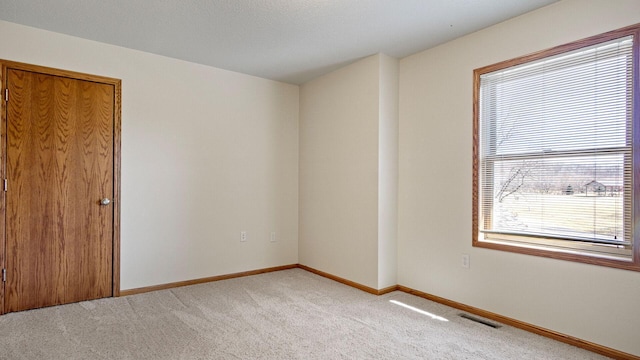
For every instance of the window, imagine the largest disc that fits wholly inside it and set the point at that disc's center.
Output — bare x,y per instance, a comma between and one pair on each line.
556,152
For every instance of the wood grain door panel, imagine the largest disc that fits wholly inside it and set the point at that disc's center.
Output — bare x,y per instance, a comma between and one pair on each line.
59,164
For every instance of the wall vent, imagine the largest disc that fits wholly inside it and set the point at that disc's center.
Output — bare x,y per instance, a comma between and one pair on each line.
480,321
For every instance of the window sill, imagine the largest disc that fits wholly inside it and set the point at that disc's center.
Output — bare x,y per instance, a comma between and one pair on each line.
575,255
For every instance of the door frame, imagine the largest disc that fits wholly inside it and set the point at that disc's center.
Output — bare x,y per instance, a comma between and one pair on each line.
6,65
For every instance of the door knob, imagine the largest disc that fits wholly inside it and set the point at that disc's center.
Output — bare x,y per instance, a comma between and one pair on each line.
105,201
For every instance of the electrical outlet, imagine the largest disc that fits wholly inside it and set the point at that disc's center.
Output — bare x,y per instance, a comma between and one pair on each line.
243,236
272,238
465,261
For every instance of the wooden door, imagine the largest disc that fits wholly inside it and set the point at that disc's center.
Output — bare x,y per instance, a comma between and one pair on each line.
59,166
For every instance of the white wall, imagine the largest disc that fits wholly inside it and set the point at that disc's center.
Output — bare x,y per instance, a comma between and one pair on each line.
206,153
348,172
594,303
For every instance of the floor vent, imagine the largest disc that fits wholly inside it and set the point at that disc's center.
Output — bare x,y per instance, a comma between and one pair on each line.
480,321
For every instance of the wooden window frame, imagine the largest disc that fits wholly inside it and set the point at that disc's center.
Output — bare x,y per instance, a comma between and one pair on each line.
576,256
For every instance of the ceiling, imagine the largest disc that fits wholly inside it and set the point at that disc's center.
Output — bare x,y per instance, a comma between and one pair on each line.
286,40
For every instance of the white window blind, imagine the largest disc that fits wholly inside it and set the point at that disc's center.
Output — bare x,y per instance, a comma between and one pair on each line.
556,151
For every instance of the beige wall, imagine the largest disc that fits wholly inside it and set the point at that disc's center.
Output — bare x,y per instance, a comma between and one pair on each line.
388,172
348,172
206,153
339,172
594,303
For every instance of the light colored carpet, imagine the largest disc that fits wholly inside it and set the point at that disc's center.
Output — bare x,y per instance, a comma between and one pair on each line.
291,314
